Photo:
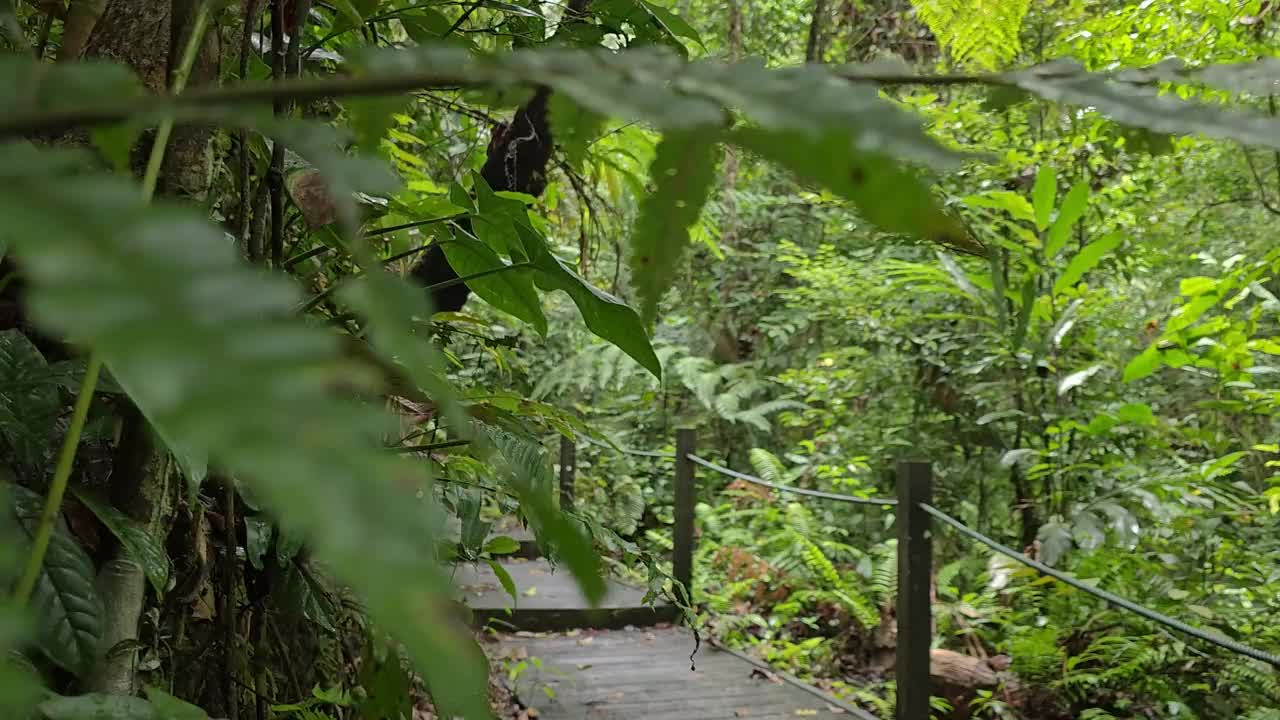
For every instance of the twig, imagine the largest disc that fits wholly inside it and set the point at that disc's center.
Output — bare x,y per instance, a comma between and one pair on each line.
430,447
462,18
251,8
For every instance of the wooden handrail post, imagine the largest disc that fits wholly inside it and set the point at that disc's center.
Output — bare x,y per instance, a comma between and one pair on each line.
682,554
568,467
915,573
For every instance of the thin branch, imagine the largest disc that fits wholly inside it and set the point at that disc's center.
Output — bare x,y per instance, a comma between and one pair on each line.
414,224
430,447
462,18
343,86
1257,178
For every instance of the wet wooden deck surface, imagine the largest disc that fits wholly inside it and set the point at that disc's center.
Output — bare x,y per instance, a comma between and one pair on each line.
644,673
549,599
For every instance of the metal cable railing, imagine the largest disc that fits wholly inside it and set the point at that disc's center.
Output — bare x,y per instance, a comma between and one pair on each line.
1110,597
630,451
838,497
1156,617
1124,603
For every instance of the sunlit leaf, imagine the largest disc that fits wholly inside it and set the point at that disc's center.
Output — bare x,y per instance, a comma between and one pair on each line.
1085,260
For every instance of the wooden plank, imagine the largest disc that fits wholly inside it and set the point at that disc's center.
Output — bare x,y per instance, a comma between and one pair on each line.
915,572
549,599
645,673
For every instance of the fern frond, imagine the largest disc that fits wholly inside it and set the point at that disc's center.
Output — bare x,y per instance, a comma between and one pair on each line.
981,33
767,465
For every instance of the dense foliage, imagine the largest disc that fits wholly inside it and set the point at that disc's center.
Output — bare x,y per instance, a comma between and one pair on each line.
1026,241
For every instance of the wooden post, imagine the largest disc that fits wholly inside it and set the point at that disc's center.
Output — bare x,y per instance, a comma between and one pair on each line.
682,556
568,466
915,573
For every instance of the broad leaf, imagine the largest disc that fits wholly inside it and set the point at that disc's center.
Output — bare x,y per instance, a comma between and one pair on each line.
501,545
1043,195
1086,260
1076,379
1072,209
885,194
605,315
169,707
1143,364
682,172
143,548
509,290
508,583
1010,202
29,402
67,607
1144,106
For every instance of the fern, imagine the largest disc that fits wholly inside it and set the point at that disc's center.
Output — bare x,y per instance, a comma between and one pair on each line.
767,465
982,33
1253,677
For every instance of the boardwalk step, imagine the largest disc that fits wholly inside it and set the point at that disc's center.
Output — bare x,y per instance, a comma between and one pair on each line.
548,599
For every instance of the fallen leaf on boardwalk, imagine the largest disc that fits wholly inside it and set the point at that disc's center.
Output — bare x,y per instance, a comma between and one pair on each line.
533,590
835,710
572,633
741,712
806,712
585,641
758,674
583,666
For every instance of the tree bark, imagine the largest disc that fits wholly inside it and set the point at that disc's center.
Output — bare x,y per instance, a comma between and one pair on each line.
814,49
725,331
148,36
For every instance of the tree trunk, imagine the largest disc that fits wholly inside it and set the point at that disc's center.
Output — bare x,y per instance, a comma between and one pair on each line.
148,36
815,48
725,331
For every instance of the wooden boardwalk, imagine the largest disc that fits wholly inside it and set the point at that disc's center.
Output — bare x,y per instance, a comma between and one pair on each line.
645,674
548,599
622,660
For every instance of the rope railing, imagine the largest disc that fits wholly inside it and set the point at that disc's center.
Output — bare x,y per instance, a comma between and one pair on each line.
1133,607
915,557
838,497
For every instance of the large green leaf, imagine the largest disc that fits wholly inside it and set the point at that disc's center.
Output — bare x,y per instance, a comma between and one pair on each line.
213,353
884,192
682,172
1043,195
1086,260
144,548
67,607
511,291
1144,106
1071,210
605,315
29,401
169,707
